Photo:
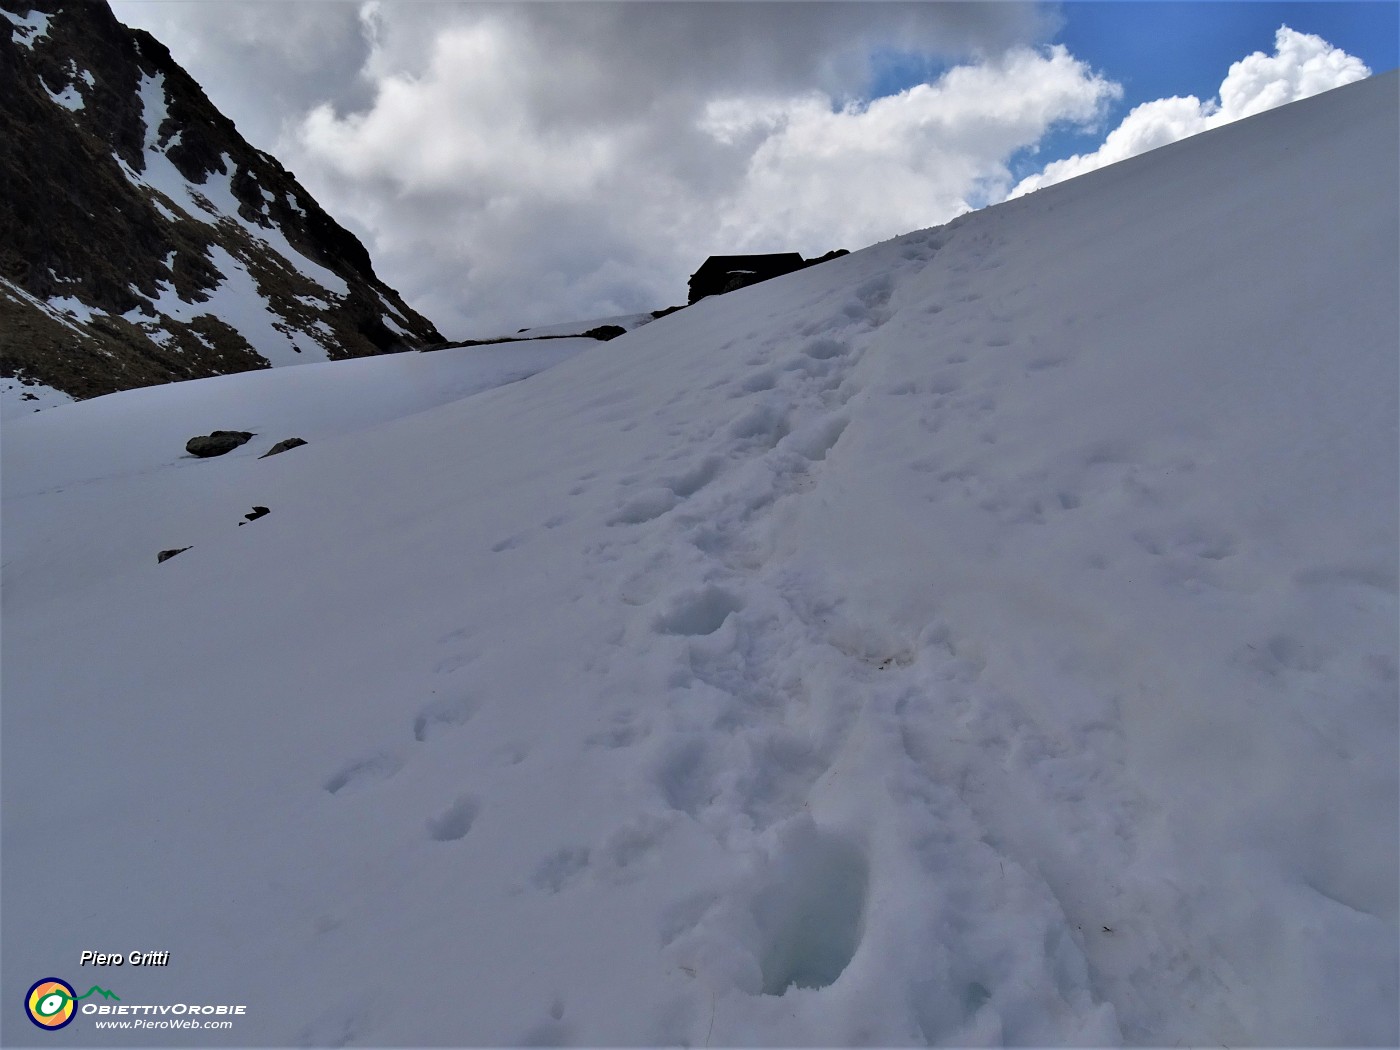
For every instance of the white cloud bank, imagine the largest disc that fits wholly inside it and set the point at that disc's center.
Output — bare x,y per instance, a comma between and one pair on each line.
818,175
516,164
606,217
1301,65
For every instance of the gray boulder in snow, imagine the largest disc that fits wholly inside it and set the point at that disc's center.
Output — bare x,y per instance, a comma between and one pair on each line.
167,555
217,443
282,446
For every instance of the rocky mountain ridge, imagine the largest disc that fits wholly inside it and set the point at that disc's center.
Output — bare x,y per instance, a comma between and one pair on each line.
143,240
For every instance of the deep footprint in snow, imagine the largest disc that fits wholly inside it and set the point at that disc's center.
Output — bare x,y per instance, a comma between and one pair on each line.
691,481
448,664
455,821
764,424
945,383
698,612
627,849
509,543
825,349
686,777
624,730
811,915
759,381
814,440
876,292
645,506
777,780
443,713
561,868
361,772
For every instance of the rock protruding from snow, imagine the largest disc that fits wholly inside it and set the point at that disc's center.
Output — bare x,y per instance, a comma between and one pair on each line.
605,332
218,443
282,446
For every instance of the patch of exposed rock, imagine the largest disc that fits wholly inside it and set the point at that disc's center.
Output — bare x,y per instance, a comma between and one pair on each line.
133,211
282,446
218,443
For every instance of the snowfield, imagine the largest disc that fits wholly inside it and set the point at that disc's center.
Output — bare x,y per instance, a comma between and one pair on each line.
987,637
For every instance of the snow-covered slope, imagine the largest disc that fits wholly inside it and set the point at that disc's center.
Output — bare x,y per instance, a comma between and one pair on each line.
627,321
986,637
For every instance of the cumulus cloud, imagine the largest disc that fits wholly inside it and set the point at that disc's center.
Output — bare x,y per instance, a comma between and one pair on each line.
514,164
1301,65
869,171
515,190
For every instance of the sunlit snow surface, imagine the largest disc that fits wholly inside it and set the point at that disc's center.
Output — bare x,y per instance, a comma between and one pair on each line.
19,398
987,637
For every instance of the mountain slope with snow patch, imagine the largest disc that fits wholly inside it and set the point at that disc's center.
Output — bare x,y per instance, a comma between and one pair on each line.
987,637
142,239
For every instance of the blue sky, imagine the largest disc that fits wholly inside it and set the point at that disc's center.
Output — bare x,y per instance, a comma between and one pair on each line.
1156,50
1159,49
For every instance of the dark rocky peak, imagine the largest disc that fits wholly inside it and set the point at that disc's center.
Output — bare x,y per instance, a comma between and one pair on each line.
142,239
